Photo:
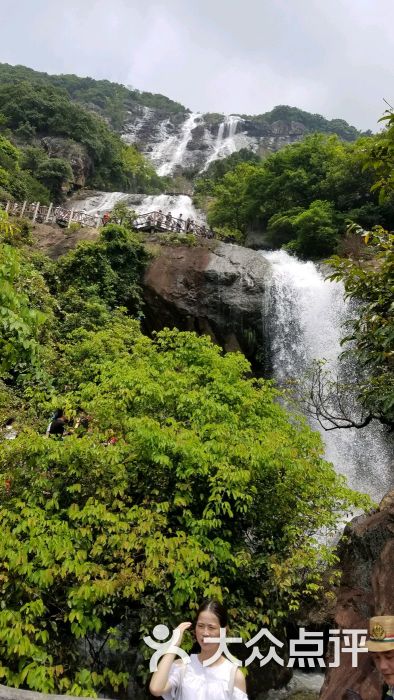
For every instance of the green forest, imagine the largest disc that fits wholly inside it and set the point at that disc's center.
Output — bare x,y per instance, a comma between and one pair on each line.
50,144
134,510
302,197
180,474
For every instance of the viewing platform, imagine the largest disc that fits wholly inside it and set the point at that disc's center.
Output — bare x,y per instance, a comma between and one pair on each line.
154,221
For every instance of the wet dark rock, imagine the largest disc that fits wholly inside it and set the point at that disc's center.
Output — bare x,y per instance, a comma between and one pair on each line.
215,289
366,553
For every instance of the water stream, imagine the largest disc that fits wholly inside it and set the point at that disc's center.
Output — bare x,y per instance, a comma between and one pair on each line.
170,152
305,316
225,143
175,204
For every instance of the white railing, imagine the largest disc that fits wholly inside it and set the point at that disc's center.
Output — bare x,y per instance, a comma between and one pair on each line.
151,221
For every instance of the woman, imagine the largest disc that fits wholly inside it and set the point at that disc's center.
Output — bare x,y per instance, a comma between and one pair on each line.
221,680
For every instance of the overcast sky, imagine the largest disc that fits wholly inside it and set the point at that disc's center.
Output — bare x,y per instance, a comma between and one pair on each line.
333,57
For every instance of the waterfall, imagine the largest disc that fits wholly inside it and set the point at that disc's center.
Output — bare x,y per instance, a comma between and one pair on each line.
99,202
141,203
175,204
305,314
170,152
225,143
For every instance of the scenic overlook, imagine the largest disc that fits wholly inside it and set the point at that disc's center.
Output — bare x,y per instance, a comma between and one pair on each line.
197,350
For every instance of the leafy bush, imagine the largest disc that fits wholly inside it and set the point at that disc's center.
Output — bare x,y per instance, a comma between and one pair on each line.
21,320
371,332
209,489
109,269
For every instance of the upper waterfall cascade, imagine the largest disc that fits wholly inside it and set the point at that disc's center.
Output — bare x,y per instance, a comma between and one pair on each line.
193,144
170,153
225,143
305,315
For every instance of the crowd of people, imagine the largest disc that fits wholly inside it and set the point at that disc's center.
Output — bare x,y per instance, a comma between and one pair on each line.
168,222
158,220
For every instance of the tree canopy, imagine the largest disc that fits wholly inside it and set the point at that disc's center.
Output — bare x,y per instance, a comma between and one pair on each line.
64,135
187,478
320,173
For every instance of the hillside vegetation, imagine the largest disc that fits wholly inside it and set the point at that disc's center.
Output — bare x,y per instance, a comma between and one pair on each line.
61,144
109,99
186,478
301,198
313,122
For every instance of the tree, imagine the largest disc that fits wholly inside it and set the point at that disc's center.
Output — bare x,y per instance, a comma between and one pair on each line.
230,205
264,196
20,323
109,269
56,175
371,284
210,488
315,231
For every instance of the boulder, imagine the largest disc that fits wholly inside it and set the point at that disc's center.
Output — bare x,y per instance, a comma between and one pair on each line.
217,289
366,553
75,153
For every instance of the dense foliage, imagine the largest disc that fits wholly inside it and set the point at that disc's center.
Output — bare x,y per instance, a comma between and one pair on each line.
370,281
302,196
16,180
313,122
20,323
188,478
66,137
109,99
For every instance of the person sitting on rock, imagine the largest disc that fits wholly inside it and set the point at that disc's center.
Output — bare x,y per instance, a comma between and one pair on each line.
189,225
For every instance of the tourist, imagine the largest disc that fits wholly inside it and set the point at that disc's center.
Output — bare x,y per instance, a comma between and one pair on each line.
159,218
168,221
179,223
105,218
221,680
56,426
380,644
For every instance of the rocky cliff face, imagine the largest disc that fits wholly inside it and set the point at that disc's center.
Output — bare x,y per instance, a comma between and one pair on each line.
178,142
216,289
75,153
367,588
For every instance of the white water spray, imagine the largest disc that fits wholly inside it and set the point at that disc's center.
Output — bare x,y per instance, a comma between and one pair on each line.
305,316
175,204
170,152
99,203
225,143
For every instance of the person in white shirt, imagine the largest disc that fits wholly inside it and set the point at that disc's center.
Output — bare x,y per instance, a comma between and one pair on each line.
221,680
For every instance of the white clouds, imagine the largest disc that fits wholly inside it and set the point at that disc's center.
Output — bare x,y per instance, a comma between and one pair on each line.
230,56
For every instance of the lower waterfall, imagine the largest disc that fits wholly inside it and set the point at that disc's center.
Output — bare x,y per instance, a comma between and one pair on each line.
175,204
305,315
